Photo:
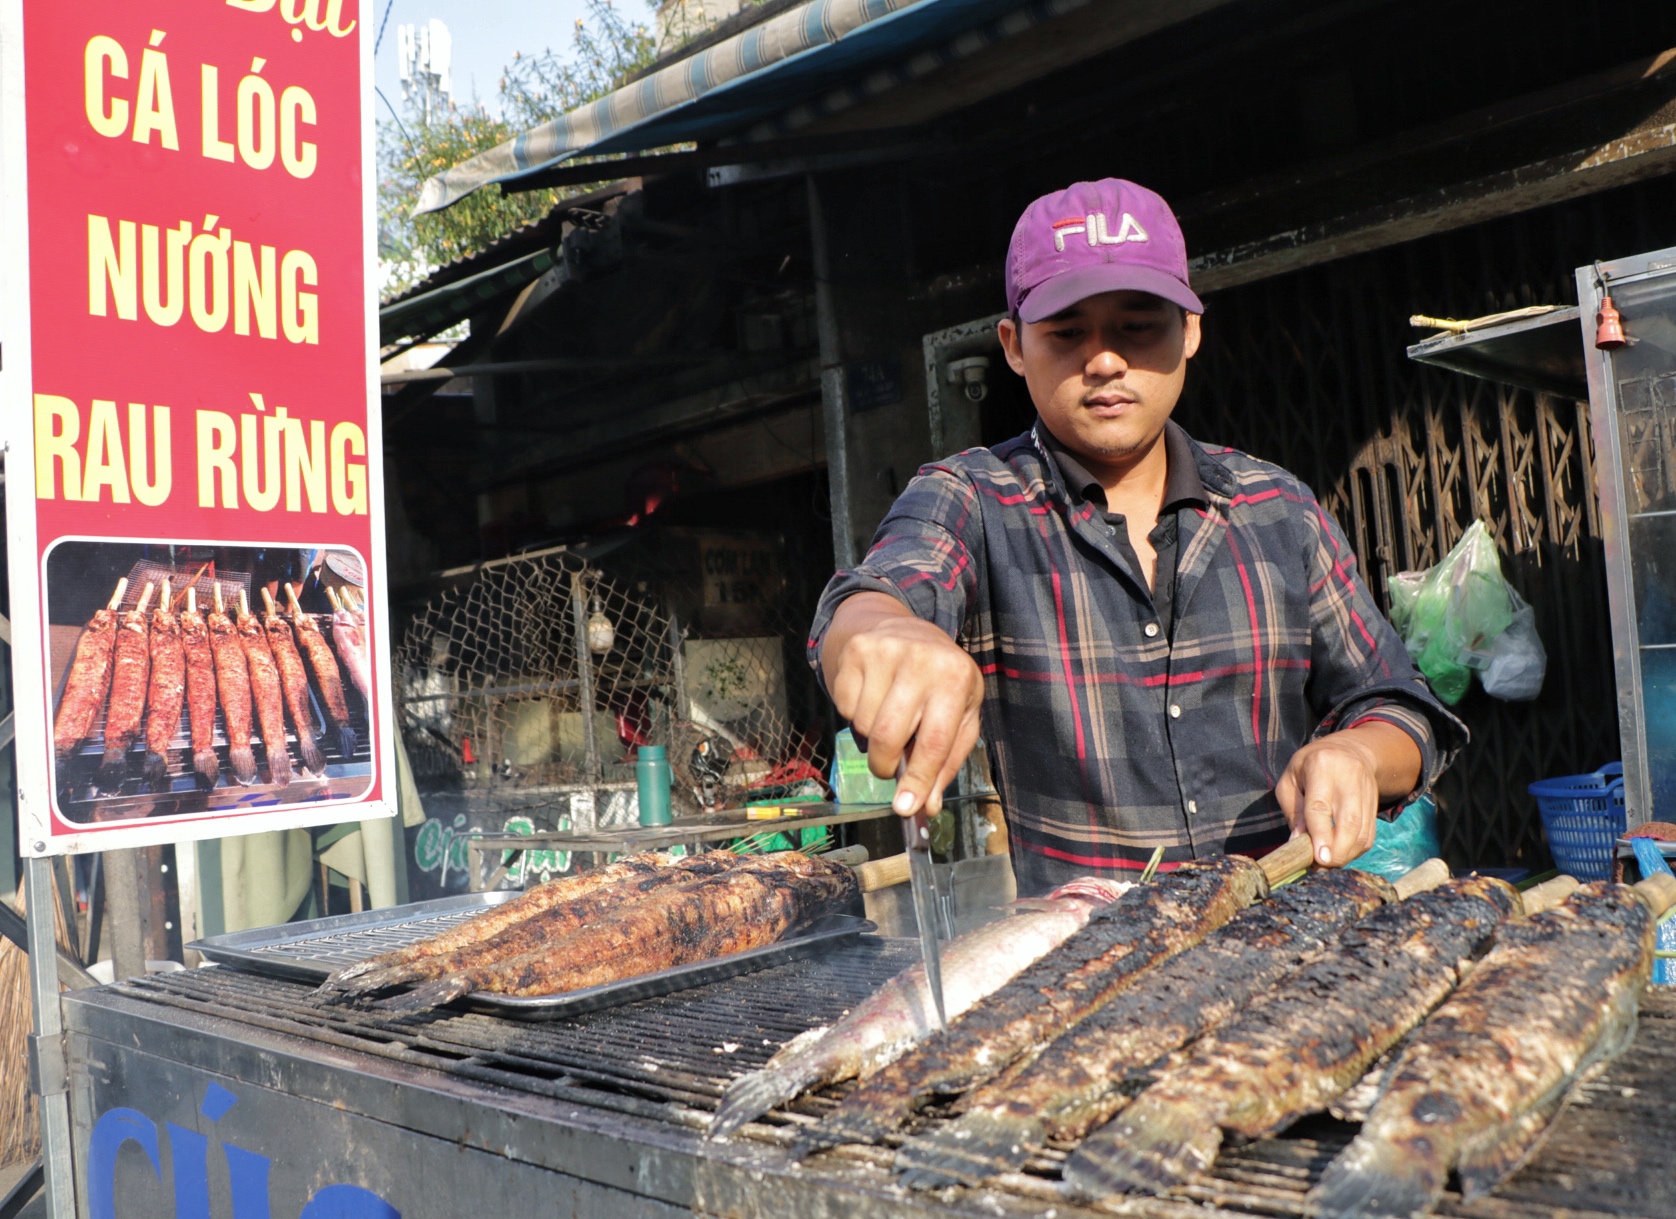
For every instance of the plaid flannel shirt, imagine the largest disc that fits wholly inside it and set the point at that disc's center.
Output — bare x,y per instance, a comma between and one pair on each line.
1108,736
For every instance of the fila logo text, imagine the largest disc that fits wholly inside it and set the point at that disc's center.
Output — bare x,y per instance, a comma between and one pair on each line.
1093,226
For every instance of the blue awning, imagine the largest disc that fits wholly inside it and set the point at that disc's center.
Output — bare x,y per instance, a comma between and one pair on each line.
789,70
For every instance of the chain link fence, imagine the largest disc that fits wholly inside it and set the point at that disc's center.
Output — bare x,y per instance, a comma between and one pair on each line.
526,687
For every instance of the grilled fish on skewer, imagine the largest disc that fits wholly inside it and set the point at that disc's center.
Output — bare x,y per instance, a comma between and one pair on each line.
498,918
1146,926
232,678
200,690
293,679
89,680
266,694
536,930
1079,1081
881,1029
1476,1086
129,671
1299,1047
744,907
166,692
349,636
326,672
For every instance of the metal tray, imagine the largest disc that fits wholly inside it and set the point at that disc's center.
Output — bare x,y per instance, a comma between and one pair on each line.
309,951
826,932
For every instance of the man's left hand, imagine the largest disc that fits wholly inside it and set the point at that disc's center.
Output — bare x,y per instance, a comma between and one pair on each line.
1333,787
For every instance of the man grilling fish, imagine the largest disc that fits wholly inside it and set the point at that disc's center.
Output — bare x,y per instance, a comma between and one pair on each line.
1163,643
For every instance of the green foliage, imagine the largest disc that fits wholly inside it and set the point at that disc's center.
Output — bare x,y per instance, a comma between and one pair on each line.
607,48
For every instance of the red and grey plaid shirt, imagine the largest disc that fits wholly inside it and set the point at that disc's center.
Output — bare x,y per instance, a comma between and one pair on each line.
1110,735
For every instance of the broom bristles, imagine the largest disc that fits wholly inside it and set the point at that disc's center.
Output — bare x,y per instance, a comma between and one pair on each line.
20,1126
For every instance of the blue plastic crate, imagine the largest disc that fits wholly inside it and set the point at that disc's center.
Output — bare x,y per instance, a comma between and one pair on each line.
1583,816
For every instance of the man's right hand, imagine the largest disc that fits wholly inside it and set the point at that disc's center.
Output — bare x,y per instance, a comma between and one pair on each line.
898,679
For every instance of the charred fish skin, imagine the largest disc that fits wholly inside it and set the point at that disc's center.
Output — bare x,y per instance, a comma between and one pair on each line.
899,1015
130,672
508,914
267,696
537,928
1147,926
1082,1079
87,684
1299,1047
232,680
164,698
200,696
1476,1085
744,907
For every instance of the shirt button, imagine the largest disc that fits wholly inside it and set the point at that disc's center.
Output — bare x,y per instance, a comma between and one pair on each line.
1151,629
1192,806
1175,711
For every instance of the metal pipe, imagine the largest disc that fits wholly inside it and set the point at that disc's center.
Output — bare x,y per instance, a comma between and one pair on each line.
833,390
49,1026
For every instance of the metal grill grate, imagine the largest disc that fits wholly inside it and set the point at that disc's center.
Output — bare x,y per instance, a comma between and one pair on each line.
666,1060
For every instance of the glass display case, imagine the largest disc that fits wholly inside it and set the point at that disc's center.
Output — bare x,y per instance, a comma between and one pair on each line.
1632,394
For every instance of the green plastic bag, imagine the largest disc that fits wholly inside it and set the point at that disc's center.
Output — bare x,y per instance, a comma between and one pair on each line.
1401,845
1452,614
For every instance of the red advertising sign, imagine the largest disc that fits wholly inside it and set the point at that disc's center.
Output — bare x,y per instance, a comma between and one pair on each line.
192,483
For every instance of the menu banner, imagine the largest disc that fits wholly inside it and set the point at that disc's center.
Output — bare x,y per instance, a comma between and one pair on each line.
189,376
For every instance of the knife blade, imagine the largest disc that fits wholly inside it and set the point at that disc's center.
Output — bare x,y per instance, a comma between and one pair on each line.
922,878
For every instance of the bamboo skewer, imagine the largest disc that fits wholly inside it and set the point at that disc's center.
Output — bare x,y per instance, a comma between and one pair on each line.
116,597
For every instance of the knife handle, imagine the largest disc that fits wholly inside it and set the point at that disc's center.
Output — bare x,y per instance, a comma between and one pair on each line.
916,832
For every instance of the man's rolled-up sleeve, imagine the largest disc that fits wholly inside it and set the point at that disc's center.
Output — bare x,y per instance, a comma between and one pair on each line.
925,554
1360,670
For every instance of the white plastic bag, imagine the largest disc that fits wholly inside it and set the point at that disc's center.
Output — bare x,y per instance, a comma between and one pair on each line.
1518,660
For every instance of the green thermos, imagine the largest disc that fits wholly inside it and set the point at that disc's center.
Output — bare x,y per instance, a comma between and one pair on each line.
651,773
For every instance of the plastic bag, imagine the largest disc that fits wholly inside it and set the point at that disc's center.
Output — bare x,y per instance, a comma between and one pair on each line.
1454,618
1403,844
1518,660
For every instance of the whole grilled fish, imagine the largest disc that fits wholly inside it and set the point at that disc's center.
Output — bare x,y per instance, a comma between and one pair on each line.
325,665
349,637
126,710
497,919
166,692
1090,1072
1299,1047
85,687
268,697
745,907
881,1029
1146,926
200,690
293,680
232,678
538,927
1476,1086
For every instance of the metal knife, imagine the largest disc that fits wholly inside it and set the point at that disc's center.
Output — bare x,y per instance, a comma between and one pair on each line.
922,876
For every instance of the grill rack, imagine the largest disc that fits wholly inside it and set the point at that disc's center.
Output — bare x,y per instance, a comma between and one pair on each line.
664,1062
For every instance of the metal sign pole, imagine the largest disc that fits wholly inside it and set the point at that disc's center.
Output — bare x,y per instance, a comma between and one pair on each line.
48,1063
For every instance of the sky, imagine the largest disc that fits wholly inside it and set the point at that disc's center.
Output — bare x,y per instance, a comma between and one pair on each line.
486,35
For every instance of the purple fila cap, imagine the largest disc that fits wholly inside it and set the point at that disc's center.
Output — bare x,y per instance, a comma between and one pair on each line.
1094,237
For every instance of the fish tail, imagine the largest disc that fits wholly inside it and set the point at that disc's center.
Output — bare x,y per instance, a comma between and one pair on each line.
346,742
981,1144
432,994
750,1096
313,760
156,771
243,762
1377,1178
113,771
207,767
1154,1147
279,767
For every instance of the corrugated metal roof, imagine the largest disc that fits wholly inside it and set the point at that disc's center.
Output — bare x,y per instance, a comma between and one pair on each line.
808,51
